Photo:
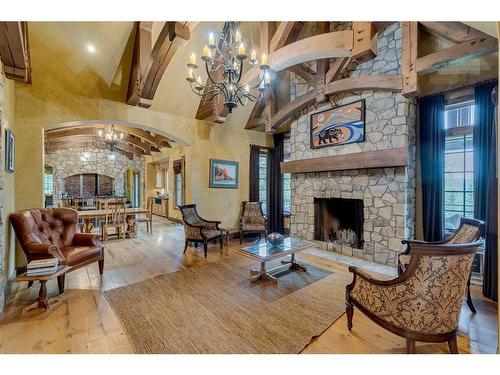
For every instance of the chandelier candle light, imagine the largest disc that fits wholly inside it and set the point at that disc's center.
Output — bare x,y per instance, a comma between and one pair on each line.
228,54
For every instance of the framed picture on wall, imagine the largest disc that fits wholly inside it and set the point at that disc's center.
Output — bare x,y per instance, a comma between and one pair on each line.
223,174
338,126
10,148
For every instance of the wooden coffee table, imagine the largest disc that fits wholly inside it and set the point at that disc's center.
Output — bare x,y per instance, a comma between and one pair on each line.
43,301
264,252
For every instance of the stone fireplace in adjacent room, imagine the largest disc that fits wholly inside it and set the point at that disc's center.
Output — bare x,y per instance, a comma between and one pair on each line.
339,221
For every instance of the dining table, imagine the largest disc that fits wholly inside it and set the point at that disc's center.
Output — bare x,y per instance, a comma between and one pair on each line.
130,214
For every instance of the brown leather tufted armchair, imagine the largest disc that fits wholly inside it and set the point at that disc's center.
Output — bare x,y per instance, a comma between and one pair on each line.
52,233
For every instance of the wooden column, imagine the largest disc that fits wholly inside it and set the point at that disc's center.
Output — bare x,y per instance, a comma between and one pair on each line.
409,58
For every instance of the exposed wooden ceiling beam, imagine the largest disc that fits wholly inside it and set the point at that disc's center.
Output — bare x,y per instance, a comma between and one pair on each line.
305,74
172,36
88,132
365,41
214,107
257,117
149,64
456,54
455,32
63,145
336,68
333,44
380,83
140,60
409,58
285,33
155,140
322,66
14,51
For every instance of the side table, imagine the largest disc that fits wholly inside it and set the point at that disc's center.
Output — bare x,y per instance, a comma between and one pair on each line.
43,301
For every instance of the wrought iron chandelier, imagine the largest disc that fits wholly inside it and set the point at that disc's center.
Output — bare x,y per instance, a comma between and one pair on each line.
110,138
227,54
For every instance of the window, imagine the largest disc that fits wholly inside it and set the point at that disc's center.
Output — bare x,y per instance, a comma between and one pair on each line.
459,167
263,188
48,182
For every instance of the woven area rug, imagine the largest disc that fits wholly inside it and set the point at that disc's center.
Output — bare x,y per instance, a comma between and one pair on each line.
213,308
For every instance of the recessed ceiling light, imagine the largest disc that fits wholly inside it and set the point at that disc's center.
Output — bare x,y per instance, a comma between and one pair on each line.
91,48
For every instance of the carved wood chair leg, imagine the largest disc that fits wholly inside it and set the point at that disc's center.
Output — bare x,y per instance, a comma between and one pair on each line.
30,283
60,283
185,246
469,299
205,249
452,344
349,310
410,346
220,241
101,266
241,236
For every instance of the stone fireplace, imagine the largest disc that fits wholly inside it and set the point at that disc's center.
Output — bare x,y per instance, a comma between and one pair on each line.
375,204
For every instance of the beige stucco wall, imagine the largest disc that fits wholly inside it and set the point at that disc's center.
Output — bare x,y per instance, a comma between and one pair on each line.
199,141
7,111
211,141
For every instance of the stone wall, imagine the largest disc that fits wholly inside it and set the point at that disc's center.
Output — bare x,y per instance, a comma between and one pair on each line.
389,193
67,163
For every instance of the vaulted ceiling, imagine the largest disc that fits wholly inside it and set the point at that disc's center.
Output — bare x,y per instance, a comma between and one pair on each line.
95,58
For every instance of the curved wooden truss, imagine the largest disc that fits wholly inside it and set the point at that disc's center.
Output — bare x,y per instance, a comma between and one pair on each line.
149,63
379,83
338,48
136,142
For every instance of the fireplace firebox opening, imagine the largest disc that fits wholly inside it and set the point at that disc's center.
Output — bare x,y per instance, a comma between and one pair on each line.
339,221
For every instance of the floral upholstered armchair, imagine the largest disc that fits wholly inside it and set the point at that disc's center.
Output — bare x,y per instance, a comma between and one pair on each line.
198,230
252,219
424,302
469,230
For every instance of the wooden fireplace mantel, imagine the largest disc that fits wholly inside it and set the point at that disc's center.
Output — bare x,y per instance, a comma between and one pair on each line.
395,157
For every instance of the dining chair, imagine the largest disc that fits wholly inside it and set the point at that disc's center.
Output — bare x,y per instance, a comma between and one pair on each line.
115,217
148,218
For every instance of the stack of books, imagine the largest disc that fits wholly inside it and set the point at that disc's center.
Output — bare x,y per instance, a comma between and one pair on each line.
42,267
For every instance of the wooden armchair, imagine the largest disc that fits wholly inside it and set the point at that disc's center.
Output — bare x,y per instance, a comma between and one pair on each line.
252,219
424,302
198,230
469,230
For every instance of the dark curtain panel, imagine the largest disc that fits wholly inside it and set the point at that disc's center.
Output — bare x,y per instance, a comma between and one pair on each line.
275,180
432,137
485,180
254,174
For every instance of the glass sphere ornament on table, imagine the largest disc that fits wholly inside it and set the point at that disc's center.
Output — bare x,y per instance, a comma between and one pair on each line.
275,238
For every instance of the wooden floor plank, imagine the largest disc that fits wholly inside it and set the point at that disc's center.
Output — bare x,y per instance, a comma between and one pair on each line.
83,322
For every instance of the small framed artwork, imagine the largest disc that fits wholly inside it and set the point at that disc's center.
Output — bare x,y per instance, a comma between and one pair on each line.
10,148
338,126
223,174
